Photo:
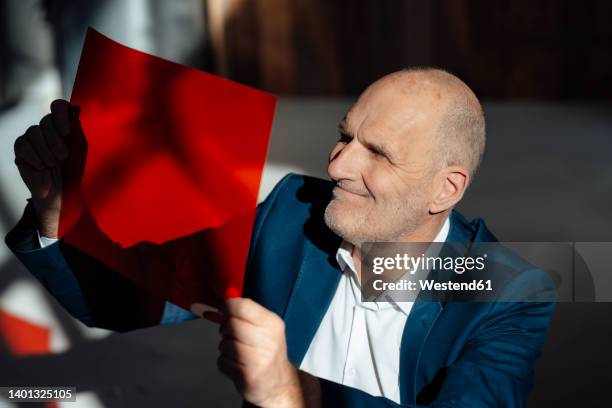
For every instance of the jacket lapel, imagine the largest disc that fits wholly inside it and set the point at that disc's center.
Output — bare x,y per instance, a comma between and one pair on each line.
314,288
422,318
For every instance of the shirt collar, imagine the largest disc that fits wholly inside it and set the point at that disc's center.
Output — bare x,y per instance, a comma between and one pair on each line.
443,233
344,257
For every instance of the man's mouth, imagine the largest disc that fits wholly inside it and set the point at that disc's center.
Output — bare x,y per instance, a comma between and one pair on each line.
341,189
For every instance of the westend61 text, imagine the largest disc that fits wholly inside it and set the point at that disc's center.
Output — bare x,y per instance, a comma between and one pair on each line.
429,284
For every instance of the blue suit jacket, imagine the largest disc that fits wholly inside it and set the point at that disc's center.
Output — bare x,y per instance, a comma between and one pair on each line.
453,354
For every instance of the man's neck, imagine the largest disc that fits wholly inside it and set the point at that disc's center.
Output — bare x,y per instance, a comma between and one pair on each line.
425,232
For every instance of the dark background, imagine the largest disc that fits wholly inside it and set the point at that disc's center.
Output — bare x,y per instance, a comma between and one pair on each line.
543,70
551,49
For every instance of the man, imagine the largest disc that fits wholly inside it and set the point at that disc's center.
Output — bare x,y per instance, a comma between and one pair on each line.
408,150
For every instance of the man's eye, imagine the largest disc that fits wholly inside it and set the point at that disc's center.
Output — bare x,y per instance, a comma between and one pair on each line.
344,138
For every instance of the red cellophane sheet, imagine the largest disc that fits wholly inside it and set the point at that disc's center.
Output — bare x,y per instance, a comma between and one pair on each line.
161,183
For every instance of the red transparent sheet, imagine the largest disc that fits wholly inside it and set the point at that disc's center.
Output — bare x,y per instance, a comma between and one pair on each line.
162,181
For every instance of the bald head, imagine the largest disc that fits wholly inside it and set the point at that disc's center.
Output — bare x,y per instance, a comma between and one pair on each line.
460,130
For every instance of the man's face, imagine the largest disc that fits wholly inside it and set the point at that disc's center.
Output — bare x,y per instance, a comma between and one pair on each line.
382,164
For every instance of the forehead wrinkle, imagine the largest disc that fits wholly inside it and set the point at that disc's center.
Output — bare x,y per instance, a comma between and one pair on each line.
400,132
391,114
375,138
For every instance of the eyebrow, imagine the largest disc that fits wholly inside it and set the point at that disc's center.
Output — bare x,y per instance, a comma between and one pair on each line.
342,128
378,149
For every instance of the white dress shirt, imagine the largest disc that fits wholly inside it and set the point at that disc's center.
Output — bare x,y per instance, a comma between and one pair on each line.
357,343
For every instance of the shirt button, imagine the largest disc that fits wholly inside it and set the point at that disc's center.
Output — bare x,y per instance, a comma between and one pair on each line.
350,372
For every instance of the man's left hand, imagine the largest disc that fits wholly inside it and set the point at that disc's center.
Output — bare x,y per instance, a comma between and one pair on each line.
254,354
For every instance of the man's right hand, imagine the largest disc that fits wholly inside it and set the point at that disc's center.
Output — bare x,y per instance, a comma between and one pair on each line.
39,154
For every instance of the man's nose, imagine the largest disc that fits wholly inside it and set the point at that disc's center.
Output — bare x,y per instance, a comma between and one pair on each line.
344,164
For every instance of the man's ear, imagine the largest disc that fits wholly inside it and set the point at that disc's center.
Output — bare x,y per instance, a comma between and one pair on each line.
450,183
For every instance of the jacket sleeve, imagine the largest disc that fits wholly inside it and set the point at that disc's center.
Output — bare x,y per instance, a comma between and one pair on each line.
86,288
48,266
496,366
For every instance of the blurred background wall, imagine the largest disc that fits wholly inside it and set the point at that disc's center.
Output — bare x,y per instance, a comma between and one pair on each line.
542,68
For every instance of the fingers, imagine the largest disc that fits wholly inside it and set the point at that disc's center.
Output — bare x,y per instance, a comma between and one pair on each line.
55,141
253,350
38,141
61,113
236,350
198,309
33,149
240,330
241,318
248,310
25,152
207,312
245,320
44,146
